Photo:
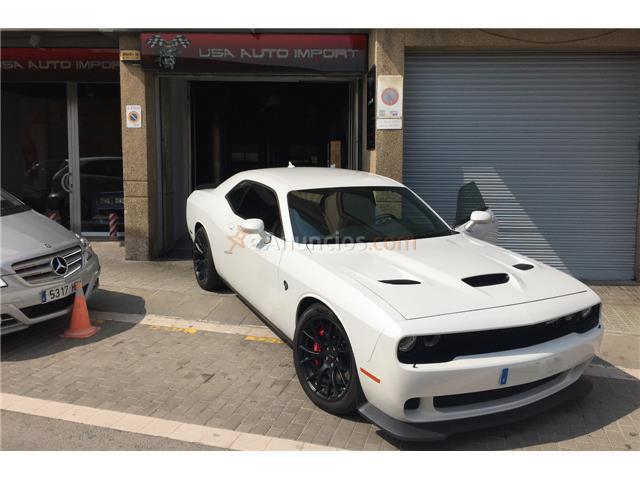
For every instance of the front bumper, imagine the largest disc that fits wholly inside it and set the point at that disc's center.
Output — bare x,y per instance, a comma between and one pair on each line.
21,304
469,387
434,431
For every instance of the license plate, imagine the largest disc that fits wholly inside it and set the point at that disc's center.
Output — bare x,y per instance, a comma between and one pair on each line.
57,293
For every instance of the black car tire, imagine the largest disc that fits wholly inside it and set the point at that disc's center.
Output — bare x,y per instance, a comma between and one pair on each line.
324,364
203,266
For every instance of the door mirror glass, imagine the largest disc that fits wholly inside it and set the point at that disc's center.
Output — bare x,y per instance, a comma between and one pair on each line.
469,200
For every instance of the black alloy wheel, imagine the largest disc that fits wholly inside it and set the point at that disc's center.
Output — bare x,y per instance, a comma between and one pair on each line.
324,361
206,275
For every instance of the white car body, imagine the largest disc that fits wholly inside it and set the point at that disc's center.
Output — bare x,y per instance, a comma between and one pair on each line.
376,315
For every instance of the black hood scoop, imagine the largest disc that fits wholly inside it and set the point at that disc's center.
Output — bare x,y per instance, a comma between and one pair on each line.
486,280
400,281
523,266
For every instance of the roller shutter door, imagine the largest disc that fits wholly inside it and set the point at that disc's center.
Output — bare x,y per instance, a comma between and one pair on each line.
551,140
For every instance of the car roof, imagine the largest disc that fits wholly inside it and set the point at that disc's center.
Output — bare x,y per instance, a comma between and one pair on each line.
303,178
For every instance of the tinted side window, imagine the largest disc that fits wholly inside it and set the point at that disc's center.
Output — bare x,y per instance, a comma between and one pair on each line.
259,202
236,195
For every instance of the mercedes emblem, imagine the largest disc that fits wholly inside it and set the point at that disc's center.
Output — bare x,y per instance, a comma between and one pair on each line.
59,265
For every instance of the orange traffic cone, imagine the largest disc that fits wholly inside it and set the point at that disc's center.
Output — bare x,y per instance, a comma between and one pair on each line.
80,326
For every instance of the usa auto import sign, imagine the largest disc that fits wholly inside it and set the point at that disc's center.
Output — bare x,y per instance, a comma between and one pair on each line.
239,52
60,64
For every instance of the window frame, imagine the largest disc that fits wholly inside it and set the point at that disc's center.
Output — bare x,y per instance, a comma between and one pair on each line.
251,184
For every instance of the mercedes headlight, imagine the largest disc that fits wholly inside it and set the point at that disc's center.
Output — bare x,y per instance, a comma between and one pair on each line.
87,251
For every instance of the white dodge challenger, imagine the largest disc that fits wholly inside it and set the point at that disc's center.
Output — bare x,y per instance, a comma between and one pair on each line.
424,329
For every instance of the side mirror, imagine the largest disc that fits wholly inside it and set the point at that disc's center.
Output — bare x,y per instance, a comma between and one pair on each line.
255,225
478,217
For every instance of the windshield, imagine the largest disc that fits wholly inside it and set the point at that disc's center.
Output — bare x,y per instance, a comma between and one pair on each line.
361,214
10,204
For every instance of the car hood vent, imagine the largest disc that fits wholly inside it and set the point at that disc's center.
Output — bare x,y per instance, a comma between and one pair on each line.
400,281
486,280
523,266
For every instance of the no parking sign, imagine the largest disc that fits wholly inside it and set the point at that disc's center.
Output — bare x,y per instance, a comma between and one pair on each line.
134,116
389,102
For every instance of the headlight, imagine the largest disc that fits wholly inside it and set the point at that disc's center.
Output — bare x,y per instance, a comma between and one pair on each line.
585,313
86,247
407,343
2,283
431,340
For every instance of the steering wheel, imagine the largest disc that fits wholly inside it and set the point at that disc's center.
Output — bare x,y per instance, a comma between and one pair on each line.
383,218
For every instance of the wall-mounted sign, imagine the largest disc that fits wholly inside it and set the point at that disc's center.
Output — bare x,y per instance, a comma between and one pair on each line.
268,52
388,123
60,64
130,56
134,116
389,99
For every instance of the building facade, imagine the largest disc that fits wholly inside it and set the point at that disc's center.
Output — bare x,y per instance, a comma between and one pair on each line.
546,123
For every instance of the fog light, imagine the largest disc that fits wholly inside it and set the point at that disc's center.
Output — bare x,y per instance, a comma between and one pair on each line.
431,340
412,404
407,343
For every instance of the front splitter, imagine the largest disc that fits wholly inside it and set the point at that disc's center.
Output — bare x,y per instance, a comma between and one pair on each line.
435,431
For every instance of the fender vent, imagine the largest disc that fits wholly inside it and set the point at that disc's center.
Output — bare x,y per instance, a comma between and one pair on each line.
400,281
523,266
486,280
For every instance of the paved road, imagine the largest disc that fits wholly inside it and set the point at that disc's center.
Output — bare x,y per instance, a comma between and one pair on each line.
28,432
225,380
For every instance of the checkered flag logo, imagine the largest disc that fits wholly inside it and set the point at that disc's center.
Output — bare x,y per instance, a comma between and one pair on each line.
168,50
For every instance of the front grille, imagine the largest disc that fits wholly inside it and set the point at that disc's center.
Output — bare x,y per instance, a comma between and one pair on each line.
463,399
38,271
50,307
455,345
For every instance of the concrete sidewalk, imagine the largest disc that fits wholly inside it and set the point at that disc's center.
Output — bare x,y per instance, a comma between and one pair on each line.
164,287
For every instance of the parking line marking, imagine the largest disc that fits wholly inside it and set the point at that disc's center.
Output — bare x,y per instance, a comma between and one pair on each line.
251,338
153,426
161,322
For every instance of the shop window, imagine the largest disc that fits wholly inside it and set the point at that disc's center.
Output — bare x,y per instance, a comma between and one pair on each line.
34,144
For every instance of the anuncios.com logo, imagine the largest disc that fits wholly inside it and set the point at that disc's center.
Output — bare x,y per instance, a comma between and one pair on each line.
236,240
239,239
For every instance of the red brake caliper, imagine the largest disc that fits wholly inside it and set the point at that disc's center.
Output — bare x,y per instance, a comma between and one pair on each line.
317,347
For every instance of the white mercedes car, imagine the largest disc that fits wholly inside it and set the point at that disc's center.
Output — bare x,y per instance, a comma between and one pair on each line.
424,329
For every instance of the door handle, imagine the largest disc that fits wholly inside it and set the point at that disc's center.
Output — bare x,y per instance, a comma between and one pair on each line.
66,183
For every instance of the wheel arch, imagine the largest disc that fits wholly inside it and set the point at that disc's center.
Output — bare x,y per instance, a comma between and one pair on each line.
308,300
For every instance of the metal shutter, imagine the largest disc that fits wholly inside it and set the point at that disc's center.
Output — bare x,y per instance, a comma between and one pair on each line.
552,140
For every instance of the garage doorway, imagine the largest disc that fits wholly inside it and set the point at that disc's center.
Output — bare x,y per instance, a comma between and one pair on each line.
551,141
246,125
212,129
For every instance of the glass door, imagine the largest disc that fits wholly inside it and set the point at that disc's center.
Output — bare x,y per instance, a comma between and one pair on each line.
35,156
100,196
